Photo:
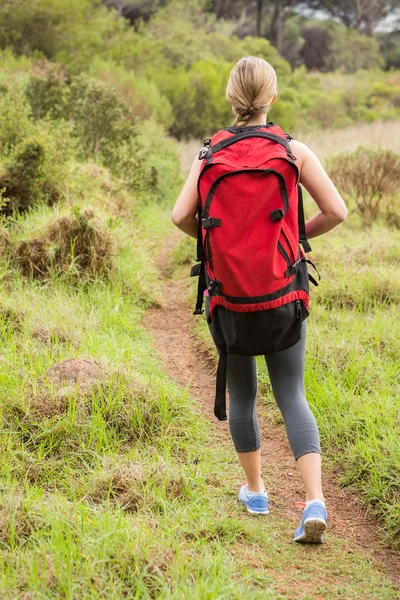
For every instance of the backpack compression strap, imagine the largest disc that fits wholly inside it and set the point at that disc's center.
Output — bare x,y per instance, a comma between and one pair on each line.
199,270
302,235
220,395
301,221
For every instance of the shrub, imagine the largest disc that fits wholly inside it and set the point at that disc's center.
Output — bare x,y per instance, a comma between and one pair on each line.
351,51
370,177
141,95
47,91
15,122
77,245
71,31
102,119
20,179
198,99
38,168
148,162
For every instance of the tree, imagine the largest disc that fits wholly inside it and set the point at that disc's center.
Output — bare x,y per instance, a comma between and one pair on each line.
350,51
362,15
281,10
260,5
315,47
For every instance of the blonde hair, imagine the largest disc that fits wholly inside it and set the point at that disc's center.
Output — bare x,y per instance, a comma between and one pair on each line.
250,89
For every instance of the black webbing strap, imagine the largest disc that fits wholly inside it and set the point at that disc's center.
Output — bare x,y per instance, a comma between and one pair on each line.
301,222
200,287
242,136
311,278
220,395
200,269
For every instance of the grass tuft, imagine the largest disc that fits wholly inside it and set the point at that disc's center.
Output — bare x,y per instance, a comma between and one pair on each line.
75,245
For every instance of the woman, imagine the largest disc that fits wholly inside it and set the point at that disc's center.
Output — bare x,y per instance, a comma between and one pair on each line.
251,91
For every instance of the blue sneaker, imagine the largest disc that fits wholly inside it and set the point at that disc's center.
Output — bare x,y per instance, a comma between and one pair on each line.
256,504
313,523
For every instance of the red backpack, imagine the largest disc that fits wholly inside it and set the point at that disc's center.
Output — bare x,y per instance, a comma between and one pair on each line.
251,225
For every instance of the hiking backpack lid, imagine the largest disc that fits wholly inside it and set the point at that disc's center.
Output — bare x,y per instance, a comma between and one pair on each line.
251,224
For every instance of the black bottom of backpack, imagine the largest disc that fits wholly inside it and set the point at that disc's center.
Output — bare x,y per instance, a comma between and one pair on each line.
261,332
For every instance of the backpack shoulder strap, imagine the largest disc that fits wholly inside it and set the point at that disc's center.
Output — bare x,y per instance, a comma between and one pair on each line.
301,221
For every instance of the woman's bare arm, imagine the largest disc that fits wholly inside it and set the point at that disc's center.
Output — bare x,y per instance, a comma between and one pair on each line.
185,209
321,189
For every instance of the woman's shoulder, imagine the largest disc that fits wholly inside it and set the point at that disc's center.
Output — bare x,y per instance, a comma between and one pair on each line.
301,152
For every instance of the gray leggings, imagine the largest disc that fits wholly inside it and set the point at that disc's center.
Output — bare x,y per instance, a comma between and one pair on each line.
286,373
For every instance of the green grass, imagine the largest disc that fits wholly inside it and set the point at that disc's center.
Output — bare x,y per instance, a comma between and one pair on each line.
128,491
352,366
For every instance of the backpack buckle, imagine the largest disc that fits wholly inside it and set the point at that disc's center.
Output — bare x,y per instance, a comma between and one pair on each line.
203,153
210,222
214,288
195,271
294,268
277,215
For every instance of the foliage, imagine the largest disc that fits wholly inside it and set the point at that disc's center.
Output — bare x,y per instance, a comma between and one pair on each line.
15,123
197,97
352,51
71,32
37,168
316,39
140,93
370,177
147,162
389,44
102,119
47,92
361,15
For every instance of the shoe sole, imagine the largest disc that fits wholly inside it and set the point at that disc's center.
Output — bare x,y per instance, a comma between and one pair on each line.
257,512
313,532
254,512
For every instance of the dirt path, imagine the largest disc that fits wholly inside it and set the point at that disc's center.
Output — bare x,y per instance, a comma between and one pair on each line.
172,329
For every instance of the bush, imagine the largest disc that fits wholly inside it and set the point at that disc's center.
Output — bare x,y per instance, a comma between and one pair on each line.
15,122
77,245
47,92
351,51
370,177
148,162
71,32
102,119
37,169
141,95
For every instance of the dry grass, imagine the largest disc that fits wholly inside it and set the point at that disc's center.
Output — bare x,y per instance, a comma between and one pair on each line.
134,486
11,317
385,134
187,152
112,196
78,245
370,176
380,133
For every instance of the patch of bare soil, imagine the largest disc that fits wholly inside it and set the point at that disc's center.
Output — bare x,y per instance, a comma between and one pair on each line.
172,329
